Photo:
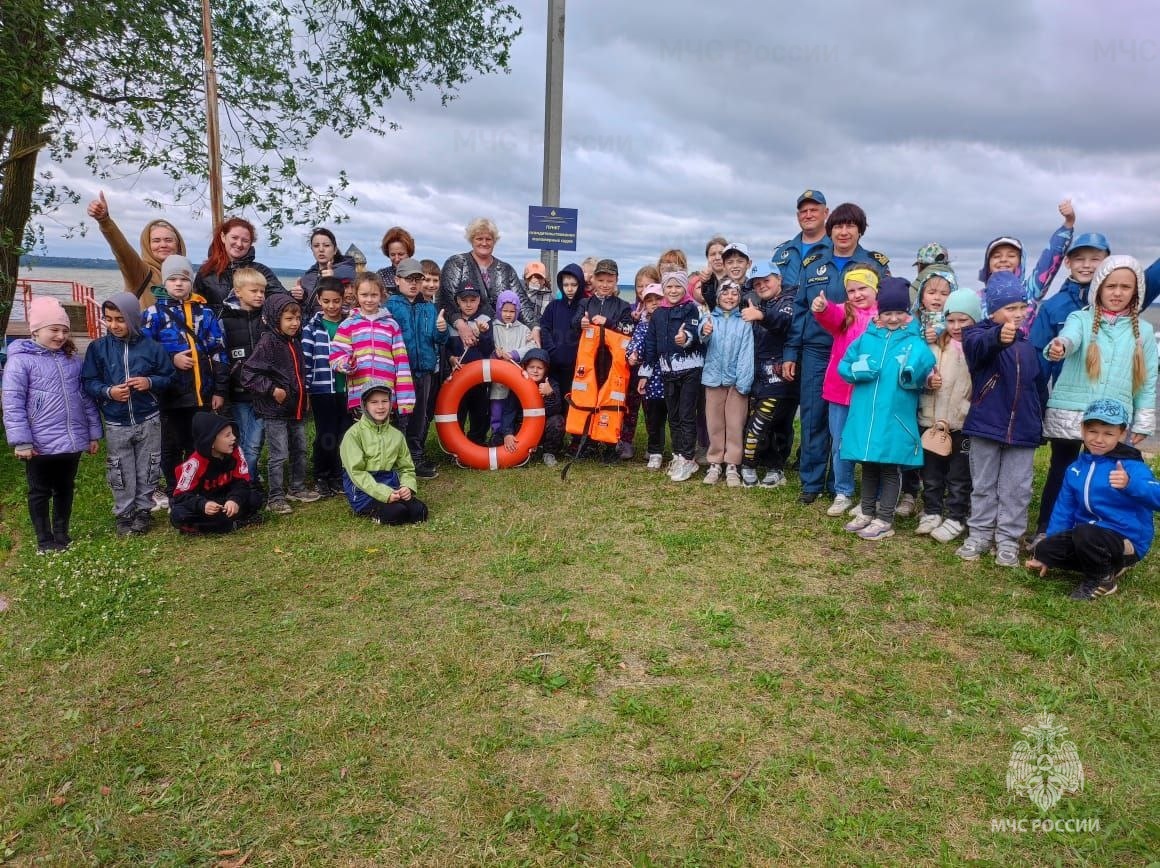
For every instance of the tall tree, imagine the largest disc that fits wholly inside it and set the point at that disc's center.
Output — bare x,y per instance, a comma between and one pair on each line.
121,84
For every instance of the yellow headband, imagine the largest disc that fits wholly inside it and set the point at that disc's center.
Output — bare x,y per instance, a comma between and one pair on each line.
863,275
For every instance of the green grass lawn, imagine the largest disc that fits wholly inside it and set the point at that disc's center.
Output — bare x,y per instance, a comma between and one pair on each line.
614,670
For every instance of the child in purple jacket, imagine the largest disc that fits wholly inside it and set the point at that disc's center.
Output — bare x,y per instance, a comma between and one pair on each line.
49,419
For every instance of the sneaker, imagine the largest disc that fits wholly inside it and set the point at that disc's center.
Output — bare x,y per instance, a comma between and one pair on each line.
808,497
876,530
732,477
142,521
713,474
160,501
655,460
947,531
1093,589
279,506
855,510
322,486
624,451
550,460
927,523
855,525
303,495
124,526
905,507
426,470
748,476
973,549
841,503
1007,555
685,469
773,479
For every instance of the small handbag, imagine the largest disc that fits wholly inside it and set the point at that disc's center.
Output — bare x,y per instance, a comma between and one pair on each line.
937,438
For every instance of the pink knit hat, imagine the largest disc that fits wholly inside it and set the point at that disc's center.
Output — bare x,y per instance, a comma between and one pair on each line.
44,311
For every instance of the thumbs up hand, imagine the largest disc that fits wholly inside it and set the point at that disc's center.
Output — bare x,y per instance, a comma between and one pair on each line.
751,312
1056,350
1067,212
99,209
1007,333
935,382
441,321
1118,478
707,327
819,303
682,336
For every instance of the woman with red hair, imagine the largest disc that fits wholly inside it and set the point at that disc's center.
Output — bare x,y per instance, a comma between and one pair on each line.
232,248
398,244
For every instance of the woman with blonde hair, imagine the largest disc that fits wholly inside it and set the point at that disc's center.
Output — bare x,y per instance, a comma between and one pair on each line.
140,270
481,269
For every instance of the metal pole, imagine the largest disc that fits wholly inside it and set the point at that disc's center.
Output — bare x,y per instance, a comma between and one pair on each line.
211,119
553,120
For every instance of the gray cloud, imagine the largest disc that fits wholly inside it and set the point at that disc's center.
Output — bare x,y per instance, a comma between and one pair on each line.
948,123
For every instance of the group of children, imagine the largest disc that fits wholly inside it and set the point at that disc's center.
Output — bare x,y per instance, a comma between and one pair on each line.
926,385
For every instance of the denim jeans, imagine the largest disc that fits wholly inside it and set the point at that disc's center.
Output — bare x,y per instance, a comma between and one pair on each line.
843,470
250,431
285,441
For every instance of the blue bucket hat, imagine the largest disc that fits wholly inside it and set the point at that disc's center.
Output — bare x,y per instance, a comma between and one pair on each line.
1089,239
1107,410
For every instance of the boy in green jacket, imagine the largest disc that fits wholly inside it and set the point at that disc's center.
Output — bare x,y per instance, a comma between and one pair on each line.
378,471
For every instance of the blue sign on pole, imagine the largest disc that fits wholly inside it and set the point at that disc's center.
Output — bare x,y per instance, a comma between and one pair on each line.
551,228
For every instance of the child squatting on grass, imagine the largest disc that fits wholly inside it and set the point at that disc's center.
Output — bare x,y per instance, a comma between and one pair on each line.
1102,521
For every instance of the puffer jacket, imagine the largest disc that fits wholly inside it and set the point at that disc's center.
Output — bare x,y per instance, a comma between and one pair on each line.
1088,498
216,288
1074,390
242,329
277,363
661,352
888,368
44,404
729,351
421,335
952,401
190,325
1008,389
833,320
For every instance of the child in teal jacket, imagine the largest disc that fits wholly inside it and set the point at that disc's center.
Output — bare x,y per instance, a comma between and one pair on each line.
888,365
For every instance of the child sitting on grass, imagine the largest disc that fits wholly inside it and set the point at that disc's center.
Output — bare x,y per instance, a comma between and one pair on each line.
379,474
1102,521
214,493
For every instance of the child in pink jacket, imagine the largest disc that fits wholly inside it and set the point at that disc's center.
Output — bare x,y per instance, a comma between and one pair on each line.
845,322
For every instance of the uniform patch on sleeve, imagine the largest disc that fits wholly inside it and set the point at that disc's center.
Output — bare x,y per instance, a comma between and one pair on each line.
881,258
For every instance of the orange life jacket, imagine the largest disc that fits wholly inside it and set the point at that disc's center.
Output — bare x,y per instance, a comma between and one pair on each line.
597,408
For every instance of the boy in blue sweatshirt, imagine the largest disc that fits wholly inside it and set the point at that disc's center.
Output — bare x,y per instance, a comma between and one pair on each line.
1102,521
424,335
125,372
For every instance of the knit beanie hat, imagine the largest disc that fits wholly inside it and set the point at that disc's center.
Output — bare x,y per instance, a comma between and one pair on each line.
176,265
866,276
1004,288
1110,264
45,311
964,301
894,295
507,297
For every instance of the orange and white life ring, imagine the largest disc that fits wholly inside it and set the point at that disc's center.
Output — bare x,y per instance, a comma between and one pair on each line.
451,434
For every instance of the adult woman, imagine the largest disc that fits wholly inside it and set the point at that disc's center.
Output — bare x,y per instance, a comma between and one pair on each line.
232,248
703,284
141,271
398,244
479,268
328,262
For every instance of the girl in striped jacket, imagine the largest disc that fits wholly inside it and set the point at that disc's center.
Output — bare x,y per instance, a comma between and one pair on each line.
368,347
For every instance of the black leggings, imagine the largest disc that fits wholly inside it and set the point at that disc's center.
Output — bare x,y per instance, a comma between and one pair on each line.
1063,453
399,512
51,483
875,503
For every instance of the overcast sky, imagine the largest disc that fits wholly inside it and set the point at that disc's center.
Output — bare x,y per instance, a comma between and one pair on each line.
949,123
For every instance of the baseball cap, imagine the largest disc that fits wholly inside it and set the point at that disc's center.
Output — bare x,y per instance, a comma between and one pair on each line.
1089,239
932,254
764,269
735,247
1107,410
607,266
409,268
811,196
535,267
467,289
